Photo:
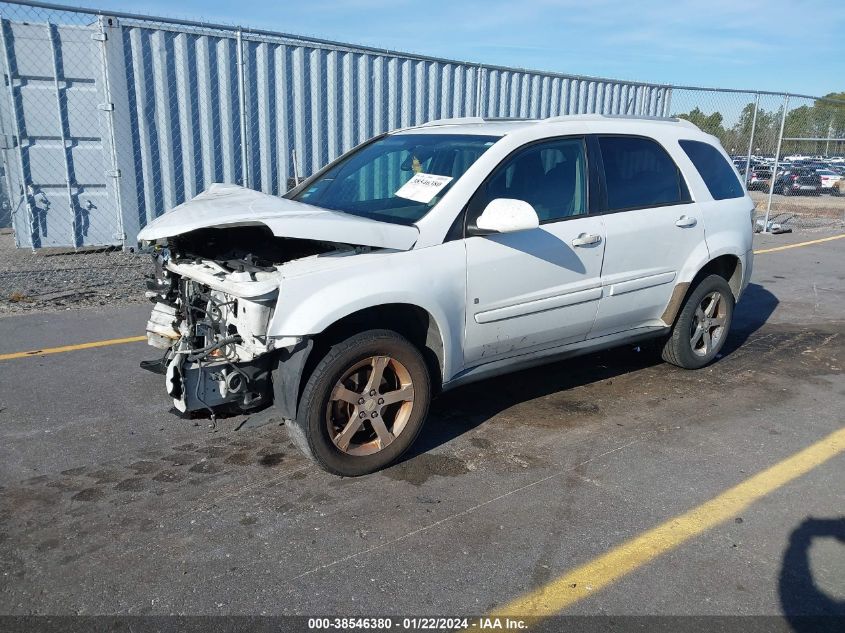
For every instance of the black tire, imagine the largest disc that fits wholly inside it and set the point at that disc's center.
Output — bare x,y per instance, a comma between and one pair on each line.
312,432
786,190
682,348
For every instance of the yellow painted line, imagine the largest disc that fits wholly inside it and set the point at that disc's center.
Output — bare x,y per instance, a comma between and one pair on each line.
623,559
73,348
799,244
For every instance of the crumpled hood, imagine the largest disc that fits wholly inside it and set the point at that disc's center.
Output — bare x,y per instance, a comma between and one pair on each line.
223,205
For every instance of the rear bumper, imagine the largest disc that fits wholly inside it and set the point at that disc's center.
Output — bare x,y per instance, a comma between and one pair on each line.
747,262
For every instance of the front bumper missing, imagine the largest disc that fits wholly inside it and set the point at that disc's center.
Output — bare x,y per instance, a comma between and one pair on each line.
196,385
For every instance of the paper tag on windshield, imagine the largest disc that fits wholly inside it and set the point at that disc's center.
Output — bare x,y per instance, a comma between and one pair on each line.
423,187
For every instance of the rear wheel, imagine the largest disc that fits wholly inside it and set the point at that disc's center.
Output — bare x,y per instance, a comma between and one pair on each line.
702,325
364,404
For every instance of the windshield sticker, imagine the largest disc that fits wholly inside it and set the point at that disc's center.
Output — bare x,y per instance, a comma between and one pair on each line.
423,187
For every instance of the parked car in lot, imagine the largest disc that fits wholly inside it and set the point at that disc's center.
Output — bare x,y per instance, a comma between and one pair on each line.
759,179
437,255
829,179
798,181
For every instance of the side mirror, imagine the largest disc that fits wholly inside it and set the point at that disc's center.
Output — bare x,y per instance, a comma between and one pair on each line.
507,215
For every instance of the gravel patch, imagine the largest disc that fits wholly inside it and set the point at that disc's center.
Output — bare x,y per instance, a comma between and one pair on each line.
50,280
824,211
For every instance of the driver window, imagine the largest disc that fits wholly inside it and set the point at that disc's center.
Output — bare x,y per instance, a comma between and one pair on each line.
550,176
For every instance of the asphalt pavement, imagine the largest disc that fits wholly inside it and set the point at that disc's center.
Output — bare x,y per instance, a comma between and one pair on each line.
110,504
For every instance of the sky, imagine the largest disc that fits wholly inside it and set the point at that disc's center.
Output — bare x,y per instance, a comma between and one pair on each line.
779,45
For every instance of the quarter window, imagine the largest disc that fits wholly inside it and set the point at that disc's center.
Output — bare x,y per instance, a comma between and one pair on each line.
721,180
550,176
640,173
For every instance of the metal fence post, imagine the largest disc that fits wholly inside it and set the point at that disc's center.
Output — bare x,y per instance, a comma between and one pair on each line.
829,134
242,107
777,158
751,139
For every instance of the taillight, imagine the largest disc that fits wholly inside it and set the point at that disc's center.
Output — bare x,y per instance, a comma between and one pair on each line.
794,177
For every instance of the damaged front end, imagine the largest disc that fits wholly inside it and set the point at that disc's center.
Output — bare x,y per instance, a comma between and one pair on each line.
220,261
213,305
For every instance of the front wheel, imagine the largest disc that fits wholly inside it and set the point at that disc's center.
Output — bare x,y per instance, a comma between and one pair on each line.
364,404
702,326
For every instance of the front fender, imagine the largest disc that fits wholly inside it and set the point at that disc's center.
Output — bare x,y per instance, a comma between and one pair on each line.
433,279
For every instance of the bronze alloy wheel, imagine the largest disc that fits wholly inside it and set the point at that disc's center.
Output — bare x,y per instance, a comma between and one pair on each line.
702,326
370,405
708,324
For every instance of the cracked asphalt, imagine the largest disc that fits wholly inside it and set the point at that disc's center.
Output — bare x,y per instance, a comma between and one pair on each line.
109,504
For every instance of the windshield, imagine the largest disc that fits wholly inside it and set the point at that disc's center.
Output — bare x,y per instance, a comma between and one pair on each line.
398,178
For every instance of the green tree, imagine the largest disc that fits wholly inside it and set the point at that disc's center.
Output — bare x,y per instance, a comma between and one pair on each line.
710,123
822,118
828,118
764,130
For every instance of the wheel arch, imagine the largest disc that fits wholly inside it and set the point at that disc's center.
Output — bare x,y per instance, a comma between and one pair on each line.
728,266
410,320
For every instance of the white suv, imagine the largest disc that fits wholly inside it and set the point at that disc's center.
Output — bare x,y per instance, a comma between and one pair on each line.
437,255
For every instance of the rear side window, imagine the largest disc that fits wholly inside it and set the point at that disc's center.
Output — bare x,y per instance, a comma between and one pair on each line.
639,173
721,180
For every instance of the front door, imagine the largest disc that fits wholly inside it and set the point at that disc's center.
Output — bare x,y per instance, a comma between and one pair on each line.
539,288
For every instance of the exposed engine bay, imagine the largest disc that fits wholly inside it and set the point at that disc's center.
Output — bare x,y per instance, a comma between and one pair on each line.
214,291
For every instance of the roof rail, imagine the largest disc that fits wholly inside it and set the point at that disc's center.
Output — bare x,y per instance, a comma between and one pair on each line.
599,117
462,120
553,119
647,117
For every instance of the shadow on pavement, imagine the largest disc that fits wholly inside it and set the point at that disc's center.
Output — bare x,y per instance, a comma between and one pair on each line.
752,312
807,607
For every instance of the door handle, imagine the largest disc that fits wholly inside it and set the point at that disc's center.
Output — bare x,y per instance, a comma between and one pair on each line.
685,221
586,239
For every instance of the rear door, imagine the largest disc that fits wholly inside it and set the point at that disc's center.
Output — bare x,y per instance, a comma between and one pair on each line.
652,226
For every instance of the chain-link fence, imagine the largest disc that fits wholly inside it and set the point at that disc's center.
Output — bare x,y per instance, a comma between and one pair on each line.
108,120
805,187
